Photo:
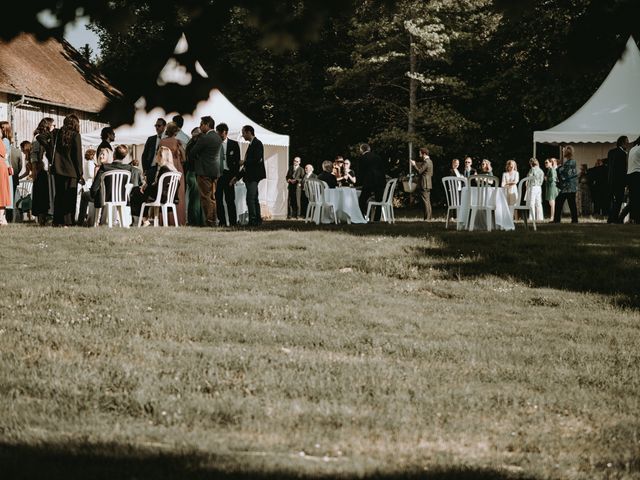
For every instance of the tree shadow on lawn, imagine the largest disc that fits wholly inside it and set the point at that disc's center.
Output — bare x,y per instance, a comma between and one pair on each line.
594,257
111,461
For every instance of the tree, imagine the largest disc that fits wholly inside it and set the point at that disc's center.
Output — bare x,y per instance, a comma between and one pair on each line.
87,52
402,78
282,25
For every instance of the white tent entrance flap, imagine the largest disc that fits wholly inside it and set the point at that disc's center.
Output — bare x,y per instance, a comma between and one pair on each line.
613,110
272,191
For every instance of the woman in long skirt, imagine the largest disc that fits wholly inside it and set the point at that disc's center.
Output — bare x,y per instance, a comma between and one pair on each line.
40,149
67,163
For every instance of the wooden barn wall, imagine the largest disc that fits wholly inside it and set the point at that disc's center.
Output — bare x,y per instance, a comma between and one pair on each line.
27,117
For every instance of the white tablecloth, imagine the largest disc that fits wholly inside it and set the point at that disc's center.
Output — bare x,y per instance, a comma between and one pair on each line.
345,201
503,217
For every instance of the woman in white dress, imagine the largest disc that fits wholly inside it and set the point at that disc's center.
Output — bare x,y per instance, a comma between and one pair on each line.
510,179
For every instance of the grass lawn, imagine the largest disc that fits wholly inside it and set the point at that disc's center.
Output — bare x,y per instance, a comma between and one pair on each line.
356,351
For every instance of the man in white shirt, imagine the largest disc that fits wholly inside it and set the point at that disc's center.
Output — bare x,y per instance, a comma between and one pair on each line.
229,167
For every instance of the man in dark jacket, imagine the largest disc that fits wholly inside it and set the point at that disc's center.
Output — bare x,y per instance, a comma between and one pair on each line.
372,173
149,153
424,169
206,165
253,171
229,167
617,158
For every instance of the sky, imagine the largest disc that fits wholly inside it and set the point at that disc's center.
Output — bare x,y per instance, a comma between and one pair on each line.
76,33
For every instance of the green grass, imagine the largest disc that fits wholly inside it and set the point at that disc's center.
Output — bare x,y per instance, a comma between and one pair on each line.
295,350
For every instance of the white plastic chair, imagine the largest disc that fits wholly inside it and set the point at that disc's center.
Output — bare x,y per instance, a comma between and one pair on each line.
452,188
527,202
173,178
24,189
315,193
387,202
485,189
119,196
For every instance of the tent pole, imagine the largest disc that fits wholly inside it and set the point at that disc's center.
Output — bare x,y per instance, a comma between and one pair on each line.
534,149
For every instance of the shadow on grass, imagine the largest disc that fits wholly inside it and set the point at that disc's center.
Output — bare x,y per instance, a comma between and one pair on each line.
587,257
110,461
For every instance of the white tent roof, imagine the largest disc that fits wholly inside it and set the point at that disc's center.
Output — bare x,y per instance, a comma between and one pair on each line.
217,106
612,111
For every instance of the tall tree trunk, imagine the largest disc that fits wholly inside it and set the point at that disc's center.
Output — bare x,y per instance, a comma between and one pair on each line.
413,89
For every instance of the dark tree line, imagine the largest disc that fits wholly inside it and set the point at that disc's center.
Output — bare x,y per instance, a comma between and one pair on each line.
460,76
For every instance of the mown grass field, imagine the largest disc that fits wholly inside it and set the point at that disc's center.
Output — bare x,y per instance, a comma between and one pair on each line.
376,351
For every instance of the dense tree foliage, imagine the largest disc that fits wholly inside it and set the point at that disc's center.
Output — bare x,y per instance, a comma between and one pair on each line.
461,76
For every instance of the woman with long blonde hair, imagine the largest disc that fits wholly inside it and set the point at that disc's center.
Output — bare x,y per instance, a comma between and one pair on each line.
144,194
510,179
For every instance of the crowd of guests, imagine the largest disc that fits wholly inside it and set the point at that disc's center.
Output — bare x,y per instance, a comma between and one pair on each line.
209,165
207,161
338,173
602,189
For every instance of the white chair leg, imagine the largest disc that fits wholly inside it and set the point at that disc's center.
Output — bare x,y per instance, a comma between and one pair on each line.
96,216
109,216
155,216
165,220
335,217
175,215
472,221
368,211
446,220
307,217
488,217
141,214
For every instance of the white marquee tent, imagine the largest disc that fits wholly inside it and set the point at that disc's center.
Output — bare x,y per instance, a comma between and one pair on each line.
272,191
613,110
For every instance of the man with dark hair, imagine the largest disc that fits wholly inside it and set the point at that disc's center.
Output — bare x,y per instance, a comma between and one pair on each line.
617,177
183,137
424,169
108,136
149,153
372,173
229,168
253,171
206,165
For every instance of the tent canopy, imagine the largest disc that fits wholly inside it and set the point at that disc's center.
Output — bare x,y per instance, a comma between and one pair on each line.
612,111
216,106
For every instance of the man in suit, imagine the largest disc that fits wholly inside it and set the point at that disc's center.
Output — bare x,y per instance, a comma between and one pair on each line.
149,153
253,171
108,136
424,168
229,166
206,165
294,176
308,175
372,172
468,168
183,137
617,158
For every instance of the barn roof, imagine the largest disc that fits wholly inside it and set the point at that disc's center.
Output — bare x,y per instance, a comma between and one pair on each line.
52,71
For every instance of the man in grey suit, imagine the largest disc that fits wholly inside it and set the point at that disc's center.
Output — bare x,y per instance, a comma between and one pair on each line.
206,164
424,168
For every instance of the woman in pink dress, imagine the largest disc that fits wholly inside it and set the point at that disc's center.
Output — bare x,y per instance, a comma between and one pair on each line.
5,184
177,150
